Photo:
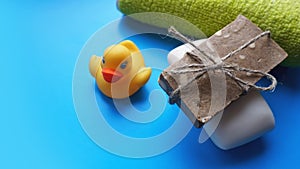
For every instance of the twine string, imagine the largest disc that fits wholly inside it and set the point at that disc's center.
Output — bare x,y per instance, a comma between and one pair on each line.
212,65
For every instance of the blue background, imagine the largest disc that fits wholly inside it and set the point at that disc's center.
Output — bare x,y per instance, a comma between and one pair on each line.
40,42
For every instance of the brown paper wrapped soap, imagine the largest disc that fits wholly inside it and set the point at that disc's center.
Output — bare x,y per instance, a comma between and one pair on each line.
221,69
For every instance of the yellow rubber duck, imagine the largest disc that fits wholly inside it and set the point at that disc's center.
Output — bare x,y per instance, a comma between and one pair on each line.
121,71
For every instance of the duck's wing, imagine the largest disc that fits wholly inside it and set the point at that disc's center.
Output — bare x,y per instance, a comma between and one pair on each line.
141,77
94,64
130,45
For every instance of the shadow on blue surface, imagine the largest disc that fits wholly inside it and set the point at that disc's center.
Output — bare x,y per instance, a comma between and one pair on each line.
136,99
251,150
289,77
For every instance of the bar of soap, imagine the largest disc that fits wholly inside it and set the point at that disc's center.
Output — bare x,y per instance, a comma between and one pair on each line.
204,99
243,121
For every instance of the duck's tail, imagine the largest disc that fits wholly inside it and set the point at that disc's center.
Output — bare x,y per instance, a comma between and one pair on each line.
130,45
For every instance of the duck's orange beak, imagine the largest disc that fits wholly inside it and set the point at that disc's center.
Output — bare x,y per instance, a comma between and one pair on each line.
111,75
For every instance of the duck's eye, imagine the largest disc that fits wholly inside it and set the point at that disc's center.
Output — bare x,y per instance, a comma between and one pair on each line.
123,65
103,60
